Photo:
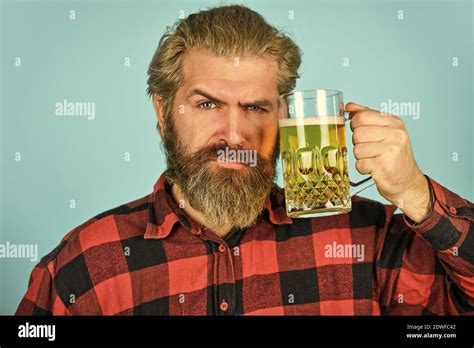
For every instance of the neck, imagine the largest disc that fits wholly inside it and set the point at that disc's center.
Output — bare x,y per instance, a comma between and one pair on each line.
194,214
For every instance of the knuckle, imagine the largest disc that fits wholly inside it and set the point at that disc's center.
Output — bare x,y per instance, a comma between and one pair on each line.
401,136
399,121
394,148
383,165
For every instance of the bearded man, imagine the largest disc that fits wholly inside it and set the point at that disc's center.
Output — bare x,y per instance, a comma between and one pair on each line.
213,238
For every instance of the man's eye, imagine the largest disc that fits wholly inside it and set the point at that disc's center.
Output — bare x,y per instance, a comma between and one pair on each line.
207,105
255,108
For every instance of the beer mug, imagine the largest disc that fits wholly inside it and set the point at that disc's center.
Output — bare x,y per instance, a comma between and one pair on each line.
314,155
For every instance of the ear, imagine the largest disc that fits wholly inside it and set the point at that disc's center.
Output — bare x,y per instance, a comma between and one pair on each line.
158,106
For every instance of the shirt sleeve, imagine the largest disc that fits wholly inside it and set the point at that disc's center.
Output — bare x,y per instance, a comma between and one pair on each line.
41,297
427,268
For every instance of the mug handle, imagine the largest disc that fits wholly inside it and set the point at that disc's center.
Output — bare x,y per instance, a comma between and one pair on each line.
356,184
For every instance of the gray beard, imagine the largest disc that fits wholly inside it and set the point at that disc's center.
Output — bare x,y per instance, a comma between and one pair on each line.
227,198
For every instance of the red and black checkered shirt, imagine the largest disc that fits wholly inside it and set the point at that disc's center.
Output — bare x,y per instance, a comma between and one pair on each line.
147,257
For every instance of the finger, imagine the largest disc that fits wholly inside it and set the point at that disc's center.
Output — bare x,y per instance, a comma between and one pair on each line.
368,118
365,165
370,134
368,150
353,107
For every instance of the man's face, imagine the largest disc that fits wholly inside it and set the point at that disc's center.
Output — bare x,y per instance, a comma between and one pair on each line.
232,115
224,103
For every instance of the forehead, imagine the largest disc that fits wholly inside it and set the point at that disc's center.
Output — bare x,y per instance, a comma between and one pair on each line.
242,76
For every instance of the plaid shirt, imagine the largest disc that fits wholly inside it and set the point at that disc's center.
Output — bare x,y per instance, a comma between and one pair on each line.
147,257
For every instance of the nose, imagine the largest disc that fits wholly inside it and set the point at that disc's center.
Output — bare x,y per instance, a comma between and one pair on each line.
233,131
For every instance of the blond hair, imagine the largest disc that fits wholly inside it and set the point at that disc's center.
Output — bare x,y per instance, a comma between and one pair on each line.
231,30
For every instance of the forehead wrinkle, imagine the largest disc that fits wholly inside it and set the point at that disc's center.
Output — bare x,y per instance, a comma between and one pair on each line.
228,95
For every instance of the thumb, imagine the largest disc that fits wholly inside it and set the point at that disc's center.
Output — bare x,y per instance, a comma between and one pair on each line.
352,108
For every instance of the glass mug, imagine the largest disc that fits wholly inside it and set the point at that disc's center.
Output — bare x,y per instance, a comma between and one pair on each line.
314,155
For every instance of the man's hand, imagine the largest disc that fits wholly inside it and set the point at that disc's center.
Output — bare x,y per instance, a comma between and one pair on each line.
382,149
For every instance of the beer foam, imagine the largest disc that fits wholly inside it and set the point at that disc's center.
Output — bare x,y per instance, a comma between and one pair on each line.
309,121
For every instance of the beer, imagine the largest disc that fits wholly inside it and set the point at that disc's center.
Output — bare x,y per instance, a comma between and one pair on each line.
314,161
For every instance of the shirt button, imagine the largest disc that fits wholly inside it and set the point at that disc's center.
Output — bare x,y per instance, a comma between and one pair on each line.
196,230
453,210
222,248
224,306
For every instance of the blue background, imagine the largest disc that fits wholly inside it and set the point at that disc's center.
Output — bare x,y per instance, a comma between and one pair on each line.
72,158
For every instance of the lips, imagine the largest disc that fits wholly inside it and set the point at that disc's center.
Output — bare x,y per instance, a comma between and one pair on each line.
233,165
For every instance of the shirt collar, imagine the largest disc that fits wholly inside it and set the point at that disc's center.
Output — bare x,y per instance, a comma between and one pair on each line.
164,213
275,206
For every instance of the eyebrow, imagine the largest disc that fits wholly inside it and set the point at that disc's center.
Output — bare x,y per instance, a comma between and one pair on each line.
261,103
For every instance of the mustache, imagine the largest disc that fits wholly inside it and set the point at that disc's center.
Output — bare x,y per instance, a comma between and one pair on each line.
211,152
